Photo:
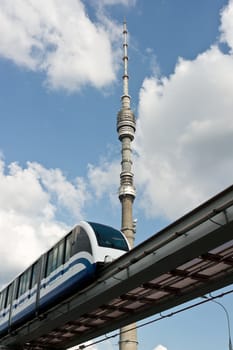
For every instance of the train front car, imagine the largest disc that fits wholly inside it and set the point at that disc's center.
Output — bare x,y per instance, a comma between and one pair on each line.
107,243
85,247
69,266
75,269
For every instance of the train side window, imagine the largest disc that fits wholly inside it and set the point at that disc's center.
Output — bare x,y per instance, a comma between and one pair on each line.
16,288
53,258
82,242
27,279
60,254
21,285
2,306
1,299
24,282
35,271
9,292
68,246
3,295
54,261
49,262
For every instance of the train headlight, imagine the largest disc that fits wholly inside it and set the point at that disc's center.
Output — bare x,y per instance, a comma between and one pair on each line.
108,259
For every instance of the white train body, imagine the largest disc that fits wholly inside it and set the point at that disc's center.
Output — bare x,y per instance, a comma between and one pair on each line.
67,267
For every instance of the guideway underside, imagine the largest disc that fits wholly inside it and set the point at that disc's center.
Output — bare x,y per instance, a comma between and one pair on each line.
189,258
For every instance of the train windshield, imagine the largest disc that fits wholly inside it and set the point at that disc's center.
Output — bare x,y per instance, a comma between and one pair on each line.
109,237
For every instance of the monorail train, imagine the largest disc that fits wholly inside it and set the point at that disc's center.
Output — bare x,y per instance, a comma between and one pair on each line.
67,267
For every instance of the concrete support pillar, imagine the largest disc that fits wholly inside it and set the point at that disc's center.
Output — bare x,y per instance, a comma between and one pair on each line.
128,334
128,337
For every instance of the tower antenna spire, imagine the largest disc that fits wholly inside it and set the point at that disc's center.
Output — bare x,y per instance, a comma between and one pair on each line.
126,127
125,97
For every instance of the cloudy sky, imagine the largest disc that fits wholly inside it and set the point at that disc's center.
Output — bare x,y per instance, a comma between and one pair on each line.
60,88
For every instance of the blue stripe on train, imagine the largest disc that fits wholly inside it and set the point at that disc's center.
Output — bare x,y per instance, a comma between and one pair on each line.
77,261
68,285
3,327
24,314
82,261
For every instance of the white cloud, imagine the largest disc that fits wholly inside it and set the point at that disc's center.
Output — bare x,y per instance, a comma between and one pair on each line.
184,136
185,132
160,347
29,202
227,25
105,345
58,38
117,2
71,196
105,179
87,345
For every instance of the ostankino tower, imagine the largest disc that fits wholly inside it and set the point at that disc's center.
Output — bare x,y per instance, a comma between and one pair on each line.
126,126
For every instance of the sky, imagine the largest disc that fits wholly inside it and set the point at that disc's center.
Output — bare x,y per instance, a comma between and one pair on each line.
60,89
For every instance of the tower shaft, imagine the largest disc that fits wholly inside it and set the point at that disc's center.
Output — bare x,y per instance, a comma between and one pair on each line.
126,127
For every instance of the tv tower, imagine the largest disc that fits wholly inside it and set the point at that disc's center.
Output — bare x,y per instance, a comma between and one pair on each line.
126,127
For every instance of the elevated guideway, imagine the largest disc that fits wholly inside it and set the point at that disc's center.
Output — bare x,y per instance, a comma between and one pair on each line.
189,258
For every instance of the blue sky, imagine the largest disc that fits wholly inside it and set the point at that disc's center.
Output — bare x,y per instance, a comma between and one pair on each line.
60,88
